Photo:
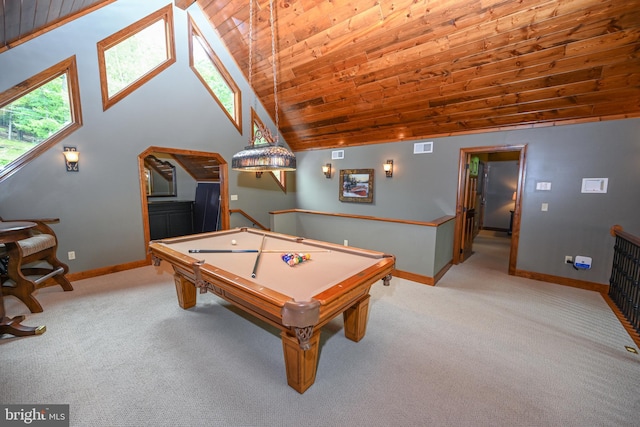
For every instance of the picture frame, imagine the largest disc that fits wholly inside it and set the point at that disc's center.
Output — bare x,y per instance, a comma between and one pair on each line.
356,185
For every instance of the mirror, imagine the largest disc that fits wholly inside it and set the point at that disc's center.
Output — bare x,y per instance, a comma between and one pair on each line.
160,176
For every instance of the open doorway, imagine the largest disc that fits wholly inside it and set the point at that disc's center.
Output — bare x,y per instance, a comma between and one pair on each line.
203,169
469,208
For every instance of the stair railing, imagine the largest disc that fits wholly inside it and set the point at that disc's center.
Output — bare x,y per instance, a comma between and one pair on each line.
253,221
624,284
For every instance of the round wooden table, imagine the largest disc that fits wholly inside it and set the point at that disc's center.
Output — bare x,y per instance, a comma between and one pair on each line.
10,233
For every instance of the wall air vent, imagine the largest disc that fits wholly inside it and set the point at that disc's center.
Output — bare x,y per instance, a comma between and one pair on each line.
337,155
423,147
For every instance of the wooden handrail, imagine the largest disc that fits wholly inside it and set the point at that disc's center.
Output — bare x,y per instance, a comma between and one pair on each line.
434,223
617,230
244,214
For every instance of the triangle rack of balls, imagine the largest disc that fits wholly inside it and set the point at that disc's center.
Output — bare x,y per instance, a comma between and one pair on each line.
294,259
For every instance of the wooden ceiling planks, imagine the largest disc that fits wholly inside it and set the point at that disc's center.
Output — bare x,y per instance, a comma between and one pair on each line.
353,72
359,72
201,168
22,20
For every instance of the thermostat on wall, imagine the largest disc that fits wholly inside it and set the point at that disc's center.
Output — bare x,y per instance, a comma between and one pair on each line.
594,185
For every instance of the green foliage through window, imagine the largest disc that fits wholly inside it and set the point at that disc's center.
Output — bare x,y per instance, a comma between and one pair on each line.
211,72
212,77
135,56
32,116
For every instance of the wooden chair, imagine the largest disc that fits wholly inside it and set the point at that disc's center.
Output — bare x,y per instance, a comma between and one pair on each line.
31,264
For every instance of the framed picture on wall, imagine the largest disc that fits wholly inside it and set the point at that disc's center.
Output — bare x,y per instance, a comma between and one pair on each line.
356,185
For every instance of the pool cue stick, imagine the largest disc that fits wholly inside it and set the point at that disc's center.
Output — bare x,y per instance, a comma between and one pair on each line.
220,251
265,251
255,266
284,251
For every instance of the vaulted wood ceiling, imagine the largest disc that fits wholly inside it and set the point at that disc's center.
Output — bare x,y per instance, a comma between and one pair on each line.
368,71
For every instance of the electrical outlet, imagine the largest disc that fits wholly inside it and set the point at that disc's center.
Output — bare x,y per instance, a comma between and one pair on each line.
568,259
346,242
72,255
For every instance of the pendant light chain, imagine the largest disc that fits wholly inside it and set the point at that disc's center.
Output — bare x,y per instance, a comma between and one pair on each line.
273,62
266,156
255,98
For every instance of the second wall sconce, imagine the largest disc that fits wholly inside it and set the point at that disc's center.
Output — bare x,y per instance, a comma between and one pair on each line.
388,168
71,158
326,170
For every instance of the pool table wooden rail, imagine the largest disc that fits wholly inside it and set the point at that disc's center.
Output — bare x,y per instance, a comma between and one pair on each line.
299,321
271,306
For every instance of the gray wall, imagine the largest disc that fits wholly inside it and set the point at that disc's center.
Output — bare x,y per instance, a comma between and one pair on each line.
420,189
100,206
414,246
424,187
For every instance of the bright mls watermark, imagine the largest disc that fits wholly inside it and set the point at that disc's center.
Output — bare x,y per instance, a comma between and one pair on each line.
34,415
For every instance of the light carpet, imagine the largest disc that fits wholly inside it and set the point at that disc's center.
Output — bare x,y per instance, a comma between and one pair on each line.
479,349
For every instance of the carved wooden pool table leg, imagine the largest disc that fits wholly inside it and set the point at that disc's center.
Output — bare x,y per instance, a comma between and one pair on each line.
301,365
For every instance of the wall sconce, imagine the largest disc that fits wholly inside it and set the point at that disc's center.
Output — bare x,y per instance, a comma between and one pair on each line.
388,168
326,170
71,158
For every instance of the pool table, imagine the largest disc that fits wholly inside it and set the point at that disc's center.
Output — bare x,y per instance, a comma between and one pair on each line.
298,299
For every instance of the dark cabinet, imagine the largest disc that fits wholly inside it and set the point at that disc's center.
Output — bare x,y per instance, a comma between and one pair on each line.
170,219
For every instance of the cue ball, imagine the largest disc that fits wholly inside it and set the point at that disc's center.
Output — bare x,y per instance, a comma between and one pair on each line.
233,242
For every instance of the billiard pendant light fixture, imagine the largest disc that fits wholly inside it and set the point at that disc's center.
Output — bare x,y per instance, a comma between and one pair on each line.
263,154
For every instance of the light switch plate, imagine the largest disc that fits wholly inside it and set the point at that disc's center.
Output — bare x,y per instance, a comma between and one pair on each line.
545,207
543,186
